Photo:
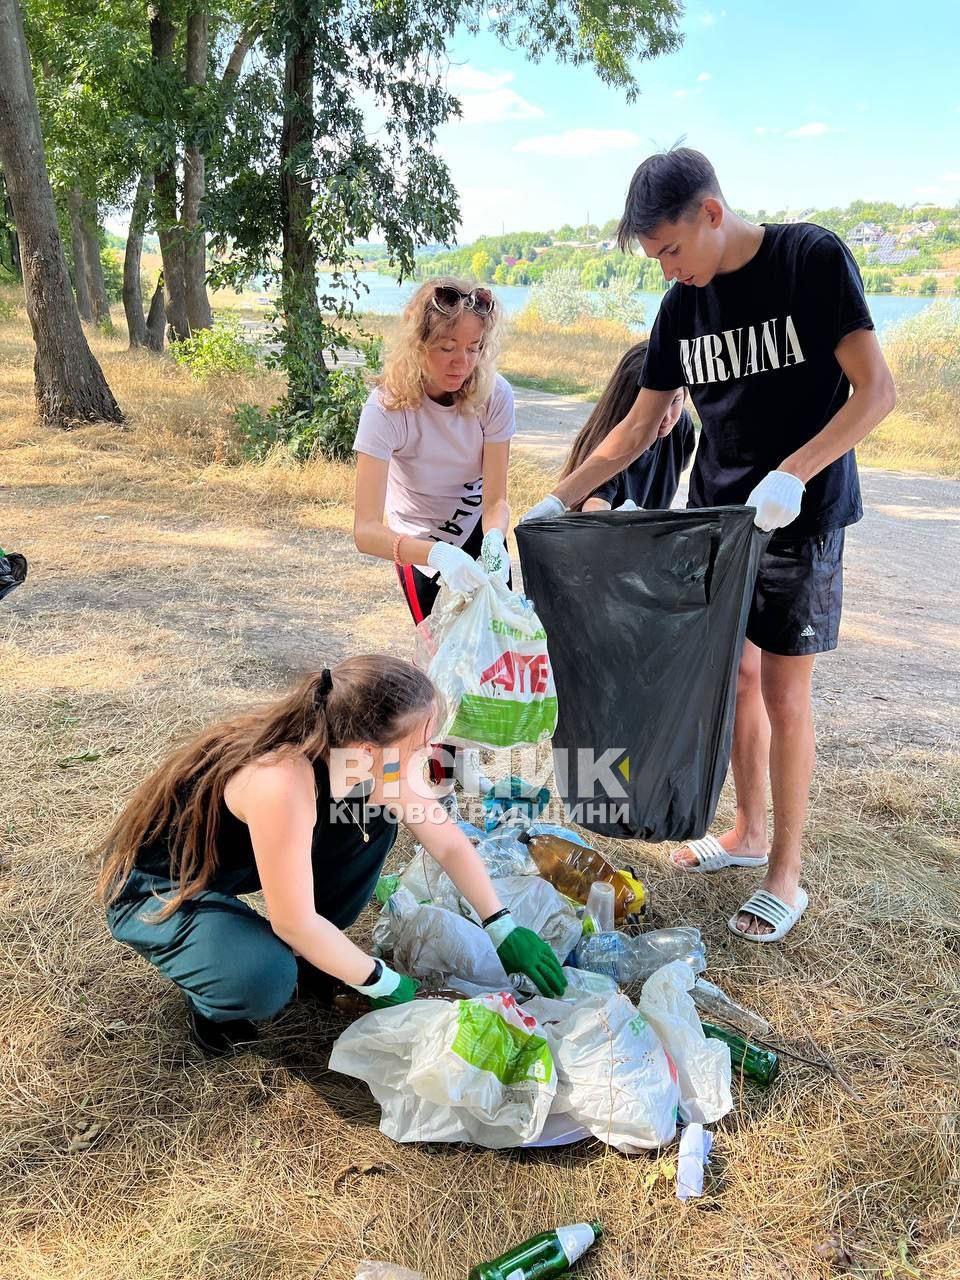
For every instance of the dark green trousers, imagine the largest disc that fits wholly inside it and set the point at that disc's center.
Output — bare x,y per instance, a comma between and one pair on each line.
223,956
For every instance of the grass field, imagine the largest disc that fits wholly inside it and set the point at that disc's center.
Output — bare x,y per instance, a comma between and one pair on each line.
172,582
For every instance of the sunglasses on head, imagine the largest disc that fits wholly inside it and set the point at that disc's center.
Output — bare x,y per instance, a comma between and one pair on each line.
446,299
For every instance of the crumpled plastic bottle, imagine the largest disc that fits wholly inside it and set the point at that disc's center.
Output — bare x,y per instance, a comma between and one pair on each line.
629,959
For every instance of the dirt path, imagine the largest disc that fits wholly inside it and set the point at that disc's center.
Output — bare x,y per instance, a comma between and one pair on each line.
895,678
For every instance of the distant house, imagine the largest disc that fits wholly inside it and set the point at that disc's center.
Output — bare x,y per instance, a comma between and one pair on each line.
865,234
802,215
917,230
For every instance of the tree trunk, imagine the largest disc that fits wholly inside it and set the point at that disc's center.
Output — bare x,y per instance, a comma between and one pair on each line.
195,241
169,229
75,206
132,295
91,245
157,318
70,386
303,354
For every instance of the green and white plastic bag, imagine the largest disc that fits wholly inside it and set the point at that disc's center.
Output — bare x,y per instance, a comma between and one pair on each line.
487,654
472,1071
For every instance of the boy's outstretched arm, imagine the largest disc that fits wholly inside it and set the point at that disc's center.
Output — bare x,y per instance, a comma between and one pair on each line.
873,397
626,441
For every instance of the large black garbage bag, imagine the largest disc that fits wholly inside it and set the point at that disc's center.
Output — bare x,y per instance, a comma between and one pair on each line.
13,570
645,614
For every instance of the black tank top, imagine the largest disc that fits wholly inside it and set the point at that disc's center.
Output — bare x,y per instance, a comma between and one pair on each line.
345,867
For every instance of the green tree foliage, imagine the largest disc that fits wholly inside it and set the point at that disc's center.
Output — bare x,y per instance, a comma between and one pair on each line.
928,286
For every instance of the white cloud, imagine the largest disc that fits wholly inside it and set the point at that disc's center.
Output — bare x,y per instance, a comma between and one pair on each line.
762,129
950,177
710,19
704,76
815,129
579,142
680,93
469,78
485,98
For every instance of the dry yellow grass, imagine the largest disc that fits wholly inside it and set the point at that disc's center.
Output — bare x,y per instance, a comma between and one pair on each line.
124,1155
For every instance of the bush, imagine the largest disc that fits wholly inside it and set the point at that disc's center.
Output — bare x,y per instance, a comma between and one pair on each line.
222,349
561,302
928,286
112,274
923,352
327,431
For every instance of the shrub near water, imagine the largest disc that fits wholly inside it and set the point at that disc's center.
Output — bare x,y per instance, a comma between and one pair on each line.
211,352
923,433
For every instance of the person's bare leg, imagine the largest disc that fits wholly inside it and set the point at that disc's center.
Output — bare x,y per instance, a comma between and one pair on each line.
785,683
751,752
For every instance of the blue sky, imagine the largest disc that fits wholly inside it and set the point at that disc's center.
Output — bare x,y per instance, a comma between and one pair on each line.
813,103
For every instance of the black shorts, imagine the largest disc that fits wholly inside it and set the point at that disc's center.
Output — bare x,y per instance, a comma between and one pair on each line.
799,595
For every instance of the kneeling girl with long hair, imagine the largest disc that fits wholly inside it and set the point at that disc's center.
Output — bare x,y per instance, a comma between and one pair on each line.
263,801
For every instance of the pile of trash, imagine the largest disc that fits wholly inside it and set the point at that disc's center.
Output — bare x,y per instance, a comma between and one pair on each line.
489,1060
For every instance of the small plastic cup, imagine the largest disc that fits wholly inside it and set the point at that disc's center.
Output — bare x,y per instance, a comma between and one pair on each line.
600,905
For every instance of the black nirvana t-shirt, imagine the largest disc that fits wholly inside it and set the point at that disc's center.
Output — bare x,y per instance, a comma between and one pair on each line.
756,349
651,480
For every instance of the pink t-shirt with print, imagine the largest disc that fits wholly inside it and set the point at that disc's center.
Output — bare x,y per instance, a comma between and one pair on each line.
435,481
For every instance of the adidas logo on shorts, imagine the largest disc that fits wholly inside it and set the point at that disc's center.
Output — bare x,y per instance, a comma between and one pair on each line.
807,632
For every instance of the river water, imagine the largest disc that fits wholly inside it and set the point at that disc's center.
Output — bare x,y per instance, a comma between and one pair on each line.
386,297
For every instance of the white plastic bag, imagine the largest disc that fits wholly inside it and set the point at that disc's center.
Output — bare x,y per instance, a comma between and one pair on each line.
614,1076
703,1065
472,1071
535,904
487,654
431,942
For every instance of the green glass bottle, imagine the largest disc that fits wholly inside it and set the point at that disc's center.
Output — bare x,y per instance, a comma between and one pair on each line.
541,1257
756,1064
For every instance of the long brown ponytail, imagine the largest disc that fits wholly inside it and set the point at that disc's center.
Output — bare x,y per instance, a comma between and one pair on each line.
370,698
612,407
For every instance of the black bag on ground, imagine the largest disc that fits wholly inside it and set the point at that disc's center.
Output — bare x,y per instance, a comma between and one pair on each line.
13,570
645,615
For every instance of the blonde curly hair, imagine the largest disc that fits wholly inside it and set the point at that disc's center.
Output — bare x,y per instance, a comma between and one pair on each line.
422,325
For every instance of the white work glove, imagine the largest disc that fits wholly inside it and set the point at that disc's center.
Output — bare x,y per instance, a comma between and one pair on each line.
546,509
629,505
777,499
458,571
493,555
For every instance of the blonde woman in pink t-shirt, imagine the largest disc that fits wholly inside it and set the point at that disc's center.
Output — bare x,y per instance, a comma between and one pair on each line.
432,447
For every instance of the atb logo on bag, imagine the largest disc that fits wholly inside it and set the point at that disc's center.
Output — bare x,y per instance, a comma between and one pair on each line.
519,673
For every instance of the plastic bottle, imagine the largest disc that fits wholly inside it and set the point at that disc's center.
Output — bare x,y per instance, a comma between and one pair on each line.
710,999
634,959
761,1065
541,1257
573,868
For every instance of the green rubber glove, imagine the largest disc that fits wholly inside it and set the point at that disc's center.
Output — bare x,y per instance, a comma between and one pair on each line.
521,951
405,990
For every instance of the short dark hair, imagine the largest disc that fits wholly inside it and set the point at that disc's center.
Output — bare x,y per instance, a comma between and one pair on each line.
667,187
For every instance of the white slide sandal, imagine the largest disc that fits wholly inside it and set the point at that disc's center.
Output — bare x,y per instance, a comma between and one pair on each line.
771,910
712,856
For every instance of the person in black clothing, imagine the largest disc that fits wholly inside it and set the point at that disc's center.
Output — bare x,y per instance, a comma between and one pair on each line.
265,801
768,328
650,482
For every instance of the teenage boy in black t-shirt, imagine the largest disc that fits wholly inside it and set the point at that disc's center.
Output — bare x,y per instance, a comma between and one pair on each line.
768,328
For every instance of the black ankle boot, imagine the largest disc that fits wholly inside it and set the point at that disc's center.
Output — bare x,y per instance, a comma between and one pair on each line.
217,1039
314,984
